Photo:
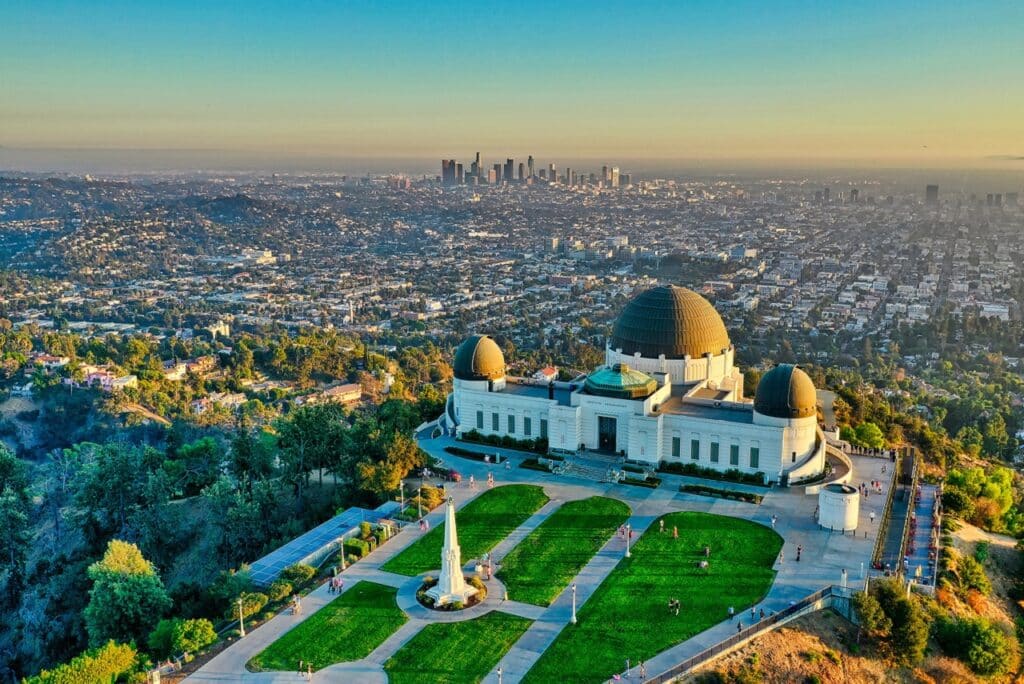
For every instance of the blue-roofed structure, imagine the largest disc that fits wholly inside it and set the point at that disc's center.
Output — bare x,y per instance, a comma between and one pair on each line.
321,541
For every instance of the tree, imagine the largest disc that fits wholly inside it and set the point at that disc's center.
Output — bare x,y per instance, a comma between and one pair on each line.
401,456
870,435
909,631
174,636
872,618
127,596
110,488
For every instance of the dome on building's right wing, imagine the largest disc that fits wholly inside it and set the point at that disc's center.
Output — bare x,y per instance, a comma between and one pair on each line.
479,358
670,320
786,392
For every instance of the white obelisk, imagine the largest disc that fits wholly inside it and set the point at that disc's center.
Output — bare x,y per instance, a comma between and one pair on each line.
451,585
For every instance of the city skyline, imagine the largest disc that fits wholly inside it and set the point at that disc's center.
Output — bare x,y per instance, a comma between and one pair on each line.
896,85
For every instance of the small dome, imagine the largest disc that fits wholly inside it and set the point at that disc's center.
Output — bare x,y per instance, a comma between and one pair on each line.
479,358
786,392
670,320
620,382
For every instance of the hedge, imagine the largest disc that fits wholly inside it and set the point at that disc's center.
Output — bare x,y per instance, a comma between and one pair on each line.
694,470
538,445
651,483
534,464
474,455
356,547
721,493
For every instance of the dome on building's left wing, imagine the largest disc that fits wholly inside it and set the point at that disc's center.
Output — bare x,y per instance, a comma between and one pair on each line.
479,358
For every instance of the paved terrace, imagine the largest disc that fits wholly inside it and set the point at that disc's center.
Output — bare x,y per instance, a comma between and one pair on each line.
825,555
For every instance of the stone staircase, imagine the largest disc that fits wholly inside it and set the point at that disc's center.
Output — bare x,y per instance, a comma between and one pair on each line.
585,471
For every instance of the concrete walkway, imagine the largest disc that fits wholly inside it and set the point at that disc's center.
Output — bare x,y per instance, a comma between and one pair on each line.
824,556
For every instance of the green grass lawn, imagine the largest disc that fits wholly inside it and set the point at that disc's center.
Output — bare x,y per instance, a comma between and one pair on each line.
456,652
544,563
348,628
627,617
482,523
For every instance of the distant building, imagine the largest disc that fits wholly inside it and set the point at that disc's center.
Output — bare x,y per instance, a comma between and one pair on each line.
931,194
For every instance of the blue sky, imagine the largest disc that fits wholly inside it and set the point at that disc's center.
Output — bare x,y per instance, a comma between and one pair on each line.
757,80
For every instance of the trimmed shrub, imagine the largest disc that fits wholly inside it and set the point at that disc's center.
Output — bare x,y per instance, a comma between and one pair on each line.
694,470
252,603
279,590
298,574
721,493
192,636
357,548
365,530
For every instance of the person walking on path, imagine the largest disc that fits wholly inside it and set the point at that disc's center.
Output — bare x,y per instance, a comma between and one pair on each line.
675,532
739,627
643,670
872,516
661,525
732,612
775,519
799,550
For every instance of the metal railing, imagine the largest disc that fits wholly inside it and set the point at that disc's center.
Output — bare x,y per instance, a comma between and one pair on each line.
883,524
767,623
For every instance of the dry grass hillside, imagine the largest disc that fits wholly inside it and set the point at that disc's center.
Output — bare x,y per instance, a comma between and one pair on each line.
822,647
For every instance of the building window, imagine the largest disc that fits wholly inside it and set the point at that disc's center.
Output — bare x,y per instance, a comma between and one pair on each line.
527,426
675,447
714,452
734,454
479,420
494,422
694,449
755,457
511,425
543,428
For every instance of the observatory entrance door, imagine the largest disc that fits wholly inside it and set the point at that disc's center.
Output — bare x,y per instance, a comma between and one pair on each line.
606,429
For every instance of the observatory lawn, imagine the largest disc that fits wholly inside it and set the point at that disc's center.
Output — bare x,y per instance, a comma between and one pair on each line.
482,523
543,564
456,652
346,629
628,617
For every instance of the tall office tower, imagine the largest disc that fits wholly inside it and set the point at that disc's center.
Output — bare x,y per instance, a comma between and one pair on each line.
615,176
627,180
447,172
999,199
568,175
825,194
529,166
497,174
931,194
510,171
854,196
459,178
522,172
474,168
552,174
593,179
543,174
604,175
574,179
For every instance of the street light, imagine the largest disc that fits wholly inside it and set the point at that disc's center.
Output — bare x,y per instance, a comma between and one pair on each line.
629,534
499,674
573,620
401,494
419,501
241,621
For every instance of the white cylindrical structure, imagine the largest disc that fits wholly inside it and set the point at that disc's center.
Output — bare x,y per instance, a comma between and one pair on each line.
838,507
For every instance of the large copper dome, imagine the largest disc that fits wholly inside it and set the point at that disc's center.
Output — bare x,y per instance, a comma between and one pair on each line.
670,320
786,392
479,358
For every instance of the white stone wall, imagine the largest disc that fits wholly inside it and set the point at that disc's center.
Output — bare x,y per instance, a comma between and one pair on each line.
470,400
564,428
716,368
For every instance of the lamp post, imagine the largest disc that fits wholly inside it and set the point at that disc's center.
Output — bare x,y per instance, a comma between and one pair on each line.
401,494
499,674
419,501
241,620
573,620
629,534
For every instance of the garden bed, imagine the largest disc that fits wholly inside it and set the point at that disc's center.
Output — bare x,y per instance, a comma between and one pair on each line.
534,464
474,455
475,599
650,482
748,497
694,470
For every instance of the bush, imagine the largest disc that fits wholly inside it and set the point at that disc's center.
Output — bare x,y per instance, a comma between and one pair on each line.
279,589
298,574
105,664
192,636
957,502
365,530
721,493
161,639
432,497
534,464
985,648
538,445
356,547
252,603
651,483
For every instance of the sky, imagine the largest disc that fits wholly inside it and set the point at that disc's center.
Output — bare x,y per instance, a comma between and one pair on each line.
875,83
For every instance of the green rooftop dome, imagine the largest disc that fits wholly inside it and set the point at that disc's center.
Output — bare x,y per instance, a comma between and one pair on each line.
670,320
786,392
620,382
479,358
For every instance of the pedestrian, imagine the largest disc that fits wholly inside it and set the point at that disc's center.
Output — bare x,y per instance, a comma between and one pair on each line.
782,555
707,551
677,606
799,550
341,584
309,673
301,663
661,525
622,531
675,532
775,519
753,614
872,516
643,671
732,611
739,627
762,613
